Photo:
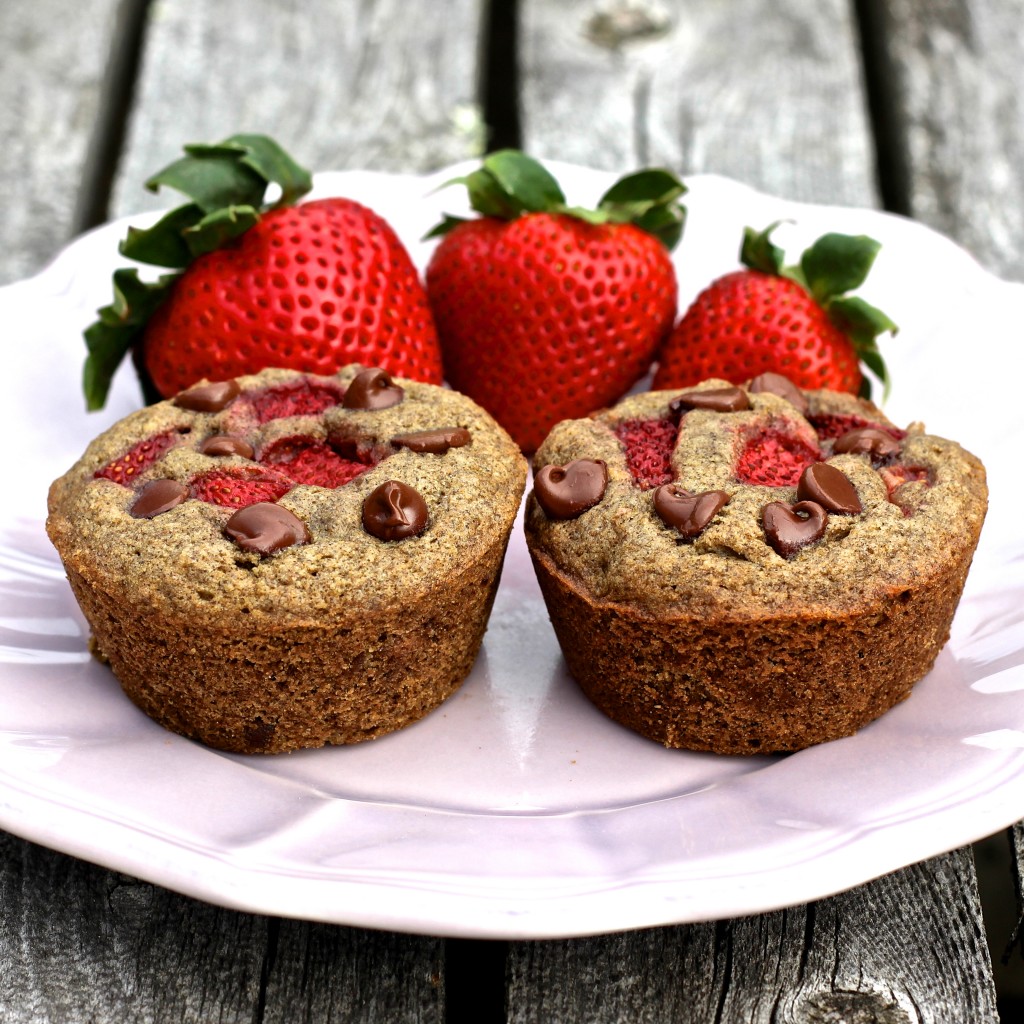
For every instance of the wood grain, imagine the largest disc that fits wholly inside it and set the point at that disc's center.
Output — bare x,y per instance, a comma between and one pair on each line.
331,975
384,84
51,85
78,943
953,76
901,949
767,93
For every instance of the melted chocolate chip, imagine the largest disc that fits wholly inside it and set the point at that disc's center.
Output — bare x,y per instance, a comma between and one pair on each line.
730,399
788,528
266,528
830,488
226,444
688,513
394,511
433,442
867,441
783,387
372,389
157,497
208,397
565,492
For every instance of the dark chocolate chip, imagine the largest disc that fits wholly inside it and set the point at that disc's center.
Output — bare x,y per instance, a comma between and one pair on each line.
776,384
226,444
788,528
266,528
372,389
730,399
867,441
394,511
688,513
156,497
565,492
830,488
208,397
433,442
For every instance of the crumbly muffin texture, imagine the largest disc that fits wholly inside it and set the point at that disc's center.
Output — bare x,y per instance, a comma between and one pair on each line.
339,637
731,638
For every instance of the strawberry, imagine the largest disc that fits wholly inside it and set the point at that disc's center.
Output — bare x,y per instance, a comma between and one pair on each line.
648,445
138,458
547,311
313,462
241,486
797,321
308,287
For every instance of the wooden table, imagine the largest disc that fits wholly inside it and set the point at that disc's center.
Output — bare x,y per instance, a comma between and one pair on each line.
909,105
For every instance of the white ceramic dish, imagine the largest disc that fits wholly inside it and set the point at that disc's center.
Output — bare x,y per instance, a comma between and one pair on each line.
517,810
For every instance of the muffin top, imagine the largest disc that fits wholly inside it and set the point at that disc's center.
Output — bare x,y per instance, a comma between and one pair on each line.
279,495
741,502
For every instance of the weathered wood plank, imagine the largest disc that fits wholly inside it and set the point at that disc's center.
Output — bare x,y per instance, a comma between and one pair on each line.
951,83
770,94
81,943
383,85
763,92
859,956
335,975
952,73
51,83
78,943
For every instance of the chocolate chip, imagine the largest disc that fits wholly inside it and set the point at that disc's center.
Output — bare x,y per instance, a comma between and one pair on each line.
867,441
394,511
266,528
783,387
688,513
226,444
565,492
830,488
788,528
433,442
730,399
372,389
208,397
157,497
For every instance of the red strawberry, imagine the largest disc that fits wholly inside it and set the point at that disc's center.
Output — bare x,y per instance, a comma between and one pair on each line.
302,398
649,445
308,461
125,468
797,321
775,459
307,287
546,311
240,486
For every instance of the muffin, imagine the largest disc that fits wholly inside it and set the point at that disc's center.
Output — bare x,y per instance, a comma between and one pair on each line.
750,569
287,560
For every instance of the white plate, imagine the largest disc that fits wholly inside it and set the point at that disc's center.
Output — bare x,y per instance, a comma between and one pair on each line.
517,810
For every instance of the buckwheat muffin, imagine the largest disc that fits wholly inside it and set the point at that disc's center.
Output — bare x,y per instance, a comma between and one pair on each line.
287,560
755,569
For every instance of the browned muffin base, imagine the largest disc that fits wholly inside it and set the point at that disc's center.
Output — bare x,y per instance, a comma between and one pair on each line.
757,685
353,677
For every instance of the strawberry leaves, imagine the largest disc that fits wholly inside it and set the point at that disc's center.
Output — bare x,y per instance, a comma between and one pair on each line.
832,267
109,338
509,184
227,184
